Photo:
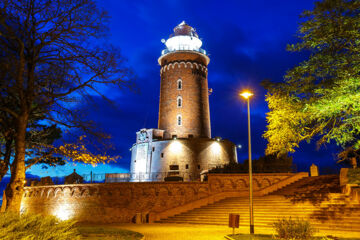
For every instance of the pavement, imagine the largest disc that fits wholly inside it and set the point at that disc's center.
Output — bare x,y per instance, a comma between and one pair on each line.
179,231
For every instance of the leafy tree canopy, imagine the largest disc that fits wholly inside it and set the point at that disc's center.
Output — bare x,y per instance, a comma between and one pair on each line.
53,59
321,96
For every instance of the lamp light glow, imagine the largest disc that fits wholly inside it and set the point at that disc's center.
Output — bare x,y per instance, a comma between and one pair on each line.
246,94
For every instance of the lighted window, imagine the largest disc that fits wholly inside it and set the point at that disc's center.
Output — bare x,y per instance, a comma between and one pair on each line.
179,101
179,120
179,84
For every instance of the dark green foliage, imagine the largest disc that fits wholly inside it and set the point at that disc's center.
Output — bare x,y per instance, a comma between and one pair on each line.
265,164
289,229
36,227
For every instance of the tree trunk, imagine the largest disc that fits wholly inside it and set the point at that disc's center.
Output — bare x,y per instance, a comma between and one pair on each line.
4,167
14,190
4,164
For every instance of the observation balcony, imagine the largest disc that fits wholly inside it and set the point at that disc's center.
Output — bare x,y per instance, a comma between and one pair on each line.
183,48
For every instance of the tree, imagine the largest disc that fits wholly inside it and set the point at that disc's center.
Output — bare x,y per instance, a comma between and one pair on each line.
320,98
52,62
265,164
39,146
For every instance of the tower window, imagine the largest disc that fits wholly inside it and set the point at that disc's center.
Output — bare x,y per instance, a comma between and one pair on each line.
187,166
179,84
179,120
179,101
162,155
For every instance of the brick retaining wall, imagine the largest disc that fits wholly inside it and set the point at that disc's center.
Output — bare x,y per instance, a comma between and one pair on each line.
120,202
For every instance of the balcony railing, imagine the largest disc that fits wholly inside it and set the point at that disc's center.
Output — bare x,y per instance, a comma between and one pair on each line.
166,51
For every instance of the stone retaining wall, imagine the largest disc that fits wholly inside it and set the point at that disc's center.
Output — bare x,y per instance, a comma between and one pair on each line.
121,202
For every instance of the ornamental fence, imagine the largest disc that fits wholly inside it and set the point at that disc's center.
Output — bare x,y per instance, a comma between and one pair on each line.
115,177
151,177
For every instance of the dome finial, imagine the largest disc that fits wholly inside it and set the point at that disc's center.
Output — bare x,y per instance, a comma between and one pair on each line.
182,23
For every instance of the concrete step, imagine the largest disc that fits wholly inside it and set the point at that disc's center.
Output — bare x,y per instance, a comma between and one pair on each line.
333,226
306,200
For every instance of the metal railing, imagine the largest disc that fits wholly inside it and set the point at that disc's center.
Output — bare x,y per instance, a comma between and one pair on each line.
166,51
117,177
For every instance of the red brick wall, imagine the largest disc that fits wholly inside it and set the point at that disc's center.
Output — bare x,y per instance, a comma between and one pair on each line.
191,68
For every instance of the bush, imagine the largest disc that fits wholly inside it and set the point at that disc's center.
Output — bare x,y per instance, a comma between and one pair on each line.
31,227
354,176
287,229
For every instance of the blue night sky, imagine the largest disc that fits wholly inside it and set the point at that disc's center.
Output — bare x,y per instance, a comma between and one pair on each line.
246,42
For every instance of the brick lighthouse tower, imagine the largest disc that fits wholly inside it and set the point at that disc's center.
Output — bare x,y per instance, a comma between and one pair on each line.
181,148
184,98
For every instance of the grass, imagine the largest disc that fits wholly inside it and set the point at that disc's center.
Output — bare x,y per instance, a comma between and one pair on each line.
250,237
108,233
269,237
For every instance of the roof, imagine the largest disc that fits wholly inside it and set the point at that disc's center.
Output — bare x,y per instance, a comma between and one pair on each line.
183,29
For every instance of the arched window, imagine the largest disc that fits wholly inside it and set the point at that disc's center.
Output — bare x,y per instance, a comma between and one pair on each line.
179,101
179,120
179,84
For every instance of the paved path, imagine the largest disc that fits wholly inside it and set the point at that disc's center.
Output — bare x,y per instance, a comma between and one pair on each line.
179,231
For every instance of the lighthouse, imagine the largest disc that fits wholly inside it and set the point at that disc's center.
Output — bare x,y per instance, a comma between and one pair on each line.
181,147
184,99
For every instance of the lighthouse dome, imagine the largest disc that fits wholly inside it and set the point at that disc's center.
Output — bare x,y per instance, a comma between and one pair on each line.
183,38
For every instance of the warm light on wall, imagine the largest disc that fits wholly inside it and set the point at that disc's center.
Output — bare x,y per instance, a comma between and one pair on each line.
63,212
176,147
215,147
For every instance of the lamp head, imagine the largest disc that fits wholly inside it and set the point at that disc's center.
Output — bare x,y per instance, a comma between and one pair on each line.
246,94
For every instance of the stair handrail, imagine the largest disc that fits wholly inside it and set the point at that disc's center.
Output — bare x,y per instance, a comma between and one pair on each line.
276,186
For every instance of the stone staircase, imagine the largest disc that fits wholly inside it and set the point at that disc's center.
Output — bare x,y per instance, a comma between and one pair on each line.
317,199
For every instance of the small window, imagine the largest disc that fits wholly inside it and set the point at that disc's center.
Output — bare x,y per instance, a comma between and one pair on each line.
179,101
179,84
174,167
198,166
179,120
153,149
191,136
162,155
187,166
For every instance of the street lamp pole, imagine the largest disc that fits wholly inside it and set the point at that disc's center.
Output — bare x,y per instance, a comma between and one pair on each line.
247,96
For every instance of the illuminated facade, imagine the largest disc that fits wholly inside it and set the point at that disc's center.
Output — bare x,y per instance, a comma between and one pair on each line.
182,146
